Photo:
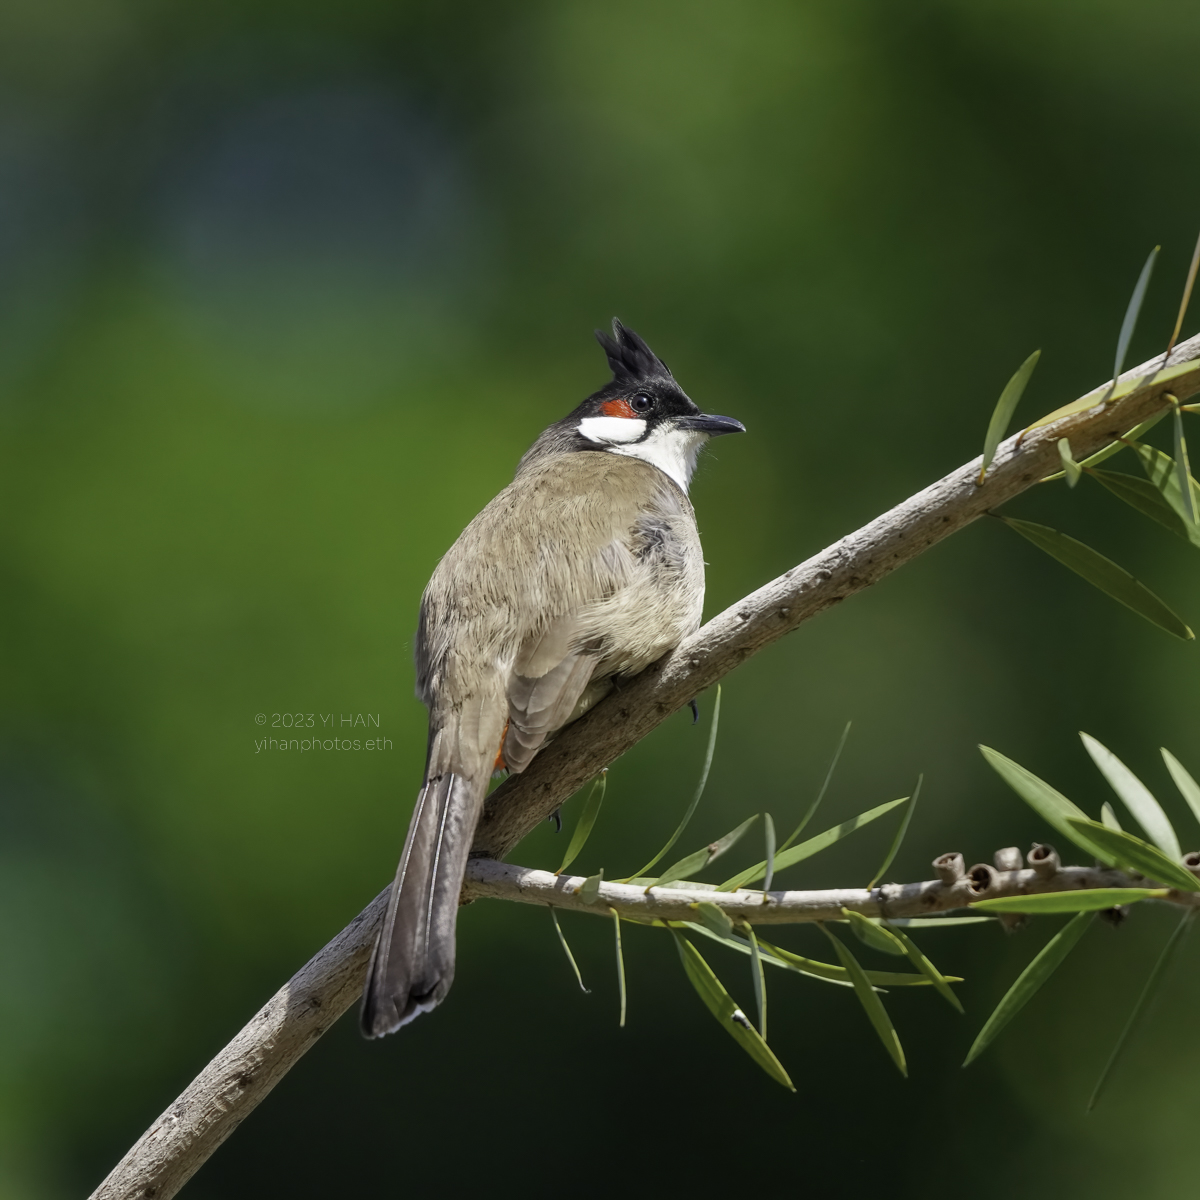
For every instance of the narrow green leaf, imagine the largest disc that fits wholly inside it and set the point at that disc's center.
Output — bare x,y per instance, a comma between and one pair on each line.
873,934
1183,302
686,867
713,917
1002,414
827,971
587,819
731,1018
1072,471
814,845
1102,573
1106,392
812,808
759,980
691,808
589,889
1183,470
1133,854
1028,982
773,956
935,977
1153,983
685,885
898,840
1051,805
1108,818
1137,432
1131,313
1161,471
1093,399
1085,900
934,922
1190,407
1117,445
872,1005
823,971
1137,797
1148,500
616,916
1187,786
769,846
567,951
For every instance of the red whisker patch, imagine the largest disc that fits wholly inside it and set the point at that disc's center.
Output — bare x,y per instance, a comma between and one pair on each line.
617,408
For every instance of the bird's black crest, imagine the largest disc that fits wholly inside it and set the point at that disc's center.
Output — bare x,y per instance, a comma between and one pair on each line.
629,357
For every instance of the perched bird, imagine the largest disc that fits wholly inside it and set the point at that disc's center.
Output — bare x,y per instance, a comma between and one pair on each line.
586,568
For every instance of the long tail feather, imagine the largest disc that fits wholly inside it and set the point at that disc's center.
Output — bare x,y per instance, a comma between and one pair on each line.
413,964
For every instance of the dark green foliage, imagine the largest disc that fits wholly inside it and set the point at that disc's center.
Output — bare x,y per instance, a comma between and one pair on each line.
1002,414
587,820
730,1017
1151,988
700,786
1029,981
1102,573
872,1005
1057,903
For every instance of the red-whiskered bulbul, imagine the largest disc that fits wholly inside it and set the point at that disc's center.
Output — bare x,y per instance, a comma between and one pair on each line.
586,568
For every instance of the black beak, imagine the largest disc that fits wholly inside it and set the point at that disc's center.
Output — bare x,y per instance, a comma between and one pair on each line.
713,426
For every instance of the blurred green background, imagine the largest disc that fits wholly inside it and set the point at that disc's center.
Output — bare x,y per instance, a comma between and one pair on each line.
285,291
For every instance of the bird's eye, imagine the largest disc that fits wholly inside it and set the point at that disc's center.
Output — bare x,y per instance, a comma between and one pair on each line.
641,404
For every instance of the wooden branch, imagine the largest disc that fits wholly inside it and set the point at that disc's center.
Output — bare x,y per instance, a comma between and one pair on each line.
502,881
216,1102
229,1088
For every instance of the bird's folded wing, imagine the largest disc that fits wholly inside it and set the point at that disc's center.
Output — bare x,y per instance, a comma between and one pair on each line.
549,675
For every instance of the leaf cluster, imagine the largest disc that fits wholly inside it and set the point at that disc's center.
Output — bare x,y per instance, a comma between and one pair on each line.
1157,857
713,923
1169,496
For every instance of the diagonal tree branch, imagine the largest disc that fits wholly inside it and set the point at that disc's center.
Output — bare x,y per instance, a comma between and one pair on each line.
216,1102
848,566
229,1088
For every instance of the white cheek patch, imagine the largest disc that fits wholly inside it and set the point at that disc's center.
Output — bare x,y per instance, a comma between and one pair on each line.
612,430
673,451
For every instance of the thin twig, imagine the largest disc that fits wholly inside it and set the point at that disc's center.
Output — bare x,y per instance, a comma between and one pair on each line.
488,879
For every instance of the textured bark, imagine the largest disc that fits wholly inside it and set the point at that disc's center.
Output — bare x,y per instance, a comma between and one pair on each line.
229,1088
216,1102
502,881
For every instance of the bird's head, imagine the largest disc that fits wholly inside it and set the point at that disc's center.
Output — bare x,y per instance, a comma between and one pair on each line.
643,413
